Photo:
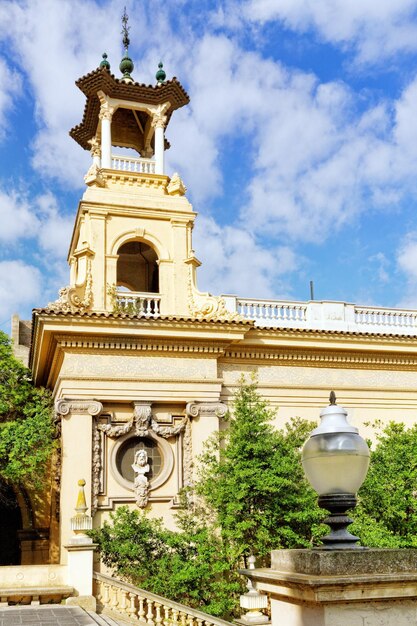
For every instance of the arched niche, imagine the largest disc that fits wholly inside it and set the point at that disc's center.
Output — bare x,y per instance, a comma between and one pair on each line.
137,267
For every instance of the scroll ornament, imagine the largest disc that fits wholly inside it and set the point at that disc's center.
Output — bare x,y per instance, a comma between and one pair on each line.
75,299
204,306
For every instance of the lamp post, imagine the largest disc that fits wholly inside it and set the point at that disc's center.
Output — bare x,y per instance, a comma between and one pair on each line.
335,460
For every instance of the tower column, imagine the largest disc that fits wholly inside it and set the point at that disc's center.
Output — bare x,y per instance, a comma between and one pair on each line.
158,123
106,113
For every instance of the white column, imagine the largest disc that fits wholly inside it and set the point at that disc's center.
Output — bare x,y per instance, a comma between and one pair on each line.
159,124
105,116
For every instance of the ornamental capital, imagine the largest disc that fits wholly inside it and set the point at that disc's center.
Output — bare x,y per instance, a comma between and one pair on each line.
106,112
159,120
65,406
206,409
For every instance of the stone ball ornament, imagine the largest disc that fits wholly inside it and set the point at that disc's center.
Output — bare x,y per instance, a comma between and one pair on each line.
335,460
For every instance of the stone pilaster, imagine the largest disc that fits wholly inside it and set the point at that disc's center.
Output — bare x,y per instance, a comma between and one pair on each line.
77,429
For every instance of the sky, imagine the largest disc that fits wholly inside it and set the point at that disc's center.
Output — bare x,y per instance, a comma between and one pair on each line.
298,148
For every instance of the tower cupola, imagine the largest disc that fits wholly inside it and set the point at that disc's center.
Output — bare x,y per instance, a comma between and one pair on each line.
120,112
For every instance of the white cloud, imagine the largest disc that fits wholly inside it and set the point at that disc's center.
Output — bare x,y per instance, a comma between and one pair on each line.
55,230
20,287
10,87
17,218
374,29
234,263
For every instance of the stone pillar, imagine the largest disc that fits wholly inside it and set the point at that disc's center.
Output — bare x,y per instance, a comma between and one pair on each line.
80,555
375,587
77,430
105,115
158,123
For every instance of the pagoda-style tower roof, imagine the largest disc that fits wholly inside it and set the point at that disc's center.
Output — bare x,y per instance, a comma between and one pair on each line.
126,123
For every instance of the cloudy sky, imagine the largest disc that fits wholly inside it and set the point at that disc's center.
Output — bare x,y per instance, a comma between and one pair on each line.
299,147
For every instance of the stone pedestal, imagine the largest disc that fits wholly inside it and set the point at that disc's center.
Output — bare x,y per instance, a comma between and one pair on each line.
372,587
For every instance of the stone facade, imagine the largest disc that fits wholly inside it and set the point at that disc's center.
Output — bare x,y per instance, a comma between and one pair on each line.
156,368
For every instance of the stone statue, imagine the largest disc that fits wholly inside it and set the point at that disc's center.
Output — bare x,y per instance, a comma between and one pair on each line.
141,467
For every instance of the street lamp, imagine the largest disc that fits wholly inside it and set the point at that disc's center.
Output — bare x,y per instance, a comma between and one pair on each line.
335,461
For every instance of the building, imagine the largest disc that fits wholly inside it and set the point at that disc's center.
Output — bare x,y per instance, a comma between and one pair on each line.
142,364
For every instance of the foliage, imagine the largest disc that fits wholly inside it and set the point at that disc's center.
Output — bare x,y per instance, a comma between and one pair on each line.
252,497
189,566
386,516
26,428
253,479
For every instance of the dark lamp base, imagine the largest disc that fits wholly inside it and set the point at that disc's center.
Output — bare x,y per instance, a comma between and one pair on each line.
339,537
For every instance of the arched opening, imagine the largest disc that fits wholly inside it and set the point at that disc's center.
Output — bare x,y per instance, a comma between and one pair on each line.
137,267
10,524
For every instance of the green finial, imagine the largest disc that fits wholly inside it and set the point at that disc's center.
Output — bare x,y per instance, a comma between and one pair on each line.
104,62
126,65
160,74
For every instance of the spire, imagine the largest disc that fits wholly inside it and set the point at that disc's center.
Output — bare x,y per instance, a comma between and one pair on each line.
160,74
126,64
104,62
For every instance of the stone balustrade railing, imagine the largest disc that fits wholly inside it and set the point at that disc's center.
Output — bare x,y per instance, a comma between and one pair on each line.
143,607
324,315
135,303
131,164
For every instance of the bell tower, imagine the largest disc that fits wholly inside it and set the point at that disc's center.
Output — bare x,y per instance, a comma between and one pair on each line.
131,248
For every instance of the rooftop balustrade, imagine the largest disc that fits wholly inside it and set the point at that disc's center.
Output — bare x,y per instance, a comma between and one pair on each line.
324,315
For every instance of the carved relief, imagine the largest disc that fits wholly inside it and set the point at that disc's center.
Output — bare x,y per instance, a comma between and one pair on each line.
96,469
75,299
144,424
94,176
188,464
111,365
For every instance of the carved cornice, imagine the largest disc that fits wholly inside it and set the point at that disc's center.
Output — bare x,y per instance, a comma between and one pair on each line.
94,343
65,406
206,409
333,358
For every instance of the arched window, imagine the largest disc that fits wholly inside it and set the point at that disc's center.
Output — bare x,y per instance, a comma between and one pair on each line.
137,268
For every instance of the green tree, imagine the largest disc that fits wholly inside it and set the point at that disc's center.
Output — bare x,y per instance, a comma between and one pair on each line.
189,566
386,515
253,479
26,426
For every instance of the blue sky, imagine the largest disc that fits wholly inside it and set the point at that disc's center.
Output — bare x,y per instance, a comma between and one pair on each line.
299,147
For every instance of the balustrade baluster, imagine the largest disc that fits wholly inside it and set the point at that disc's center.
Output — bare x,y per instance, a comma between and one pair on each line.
149,614
158,616
123,601
166,621
106,595
190,621
175,614
131,609
114,597
183,619
141,611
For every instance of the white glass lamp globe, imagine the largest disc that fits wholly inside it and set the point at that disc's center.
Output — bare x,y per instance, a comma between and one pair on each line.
335,458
